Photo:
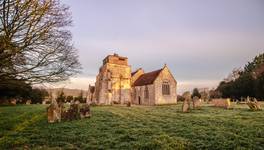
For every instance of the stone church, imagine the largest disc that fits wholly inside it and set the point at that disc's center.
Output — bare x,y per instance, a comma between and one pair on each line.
115,84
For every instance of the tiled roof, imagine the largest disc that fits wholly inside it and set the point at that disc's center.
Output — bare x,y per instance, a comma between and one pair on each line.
147,78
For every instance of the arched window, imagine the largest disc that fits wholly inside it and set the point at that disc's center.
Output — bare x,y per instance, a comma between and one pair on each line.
146,92
165,88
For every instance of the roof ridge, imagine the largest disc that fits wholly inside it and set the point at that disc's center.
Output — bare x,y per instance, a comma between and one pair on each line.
147,78
154,71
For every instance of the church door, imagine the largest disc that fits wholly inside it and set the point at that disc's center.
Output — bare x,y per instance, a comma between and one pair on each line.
139,100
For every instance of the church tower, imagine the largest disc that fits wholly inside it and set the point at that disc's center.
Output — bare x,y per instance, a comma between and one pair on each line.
113,83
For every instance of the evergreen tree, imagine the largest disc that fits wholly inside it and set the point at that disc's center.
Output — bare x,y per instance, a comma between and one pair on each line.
249,83
196,93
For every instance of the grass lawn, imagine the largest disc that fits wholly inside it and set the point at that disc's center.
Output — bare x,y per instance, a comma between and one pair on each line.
137,127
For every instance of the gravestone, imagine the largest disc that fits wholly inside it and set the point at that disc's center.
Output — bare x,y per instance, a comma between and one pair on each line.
28,102
13,101
54,112
253,105
196,102
73,113
185,106
85,111
187,102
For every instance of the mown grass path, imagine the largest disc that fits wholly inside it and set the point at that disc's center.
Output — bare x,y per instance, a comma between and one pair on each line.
137,127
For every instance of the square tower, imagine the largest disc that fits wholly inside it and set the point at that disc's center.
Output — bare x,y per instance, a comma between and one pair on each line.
113,83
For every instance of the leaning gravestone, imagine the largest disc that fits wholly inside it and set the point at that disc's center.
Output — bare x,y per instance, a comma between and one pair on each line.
54,112
253,105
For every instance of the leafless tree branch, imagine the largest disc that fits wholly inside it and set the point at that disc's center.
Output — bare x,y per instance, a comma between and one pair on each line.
35,44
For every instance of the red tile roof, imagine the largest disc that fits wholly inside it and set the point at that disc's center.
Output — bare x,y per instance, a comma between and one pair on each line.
147,78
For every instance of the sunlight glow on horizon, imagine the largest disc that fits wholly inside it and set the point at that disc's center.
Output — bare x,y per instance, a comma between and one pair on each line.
82,83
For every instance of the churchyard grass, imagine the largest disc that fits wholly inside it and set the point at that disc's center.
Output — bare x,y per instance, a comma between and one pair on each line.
136,127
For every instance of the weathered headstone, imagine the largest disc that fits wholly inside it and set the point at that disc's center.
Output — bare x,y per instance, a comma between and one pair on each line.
85,111
185,106
187,102
253,105
73,113
13,101
28,102
54,112
196,102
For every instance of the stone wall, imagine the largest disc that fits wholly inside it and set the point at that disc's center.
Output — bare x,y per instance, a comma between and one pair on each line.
139,95
165,75
113,83
155,91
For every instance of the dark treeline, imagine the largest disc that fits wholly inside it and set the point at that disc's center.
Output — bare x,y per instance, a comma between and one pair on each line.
248,81
21,91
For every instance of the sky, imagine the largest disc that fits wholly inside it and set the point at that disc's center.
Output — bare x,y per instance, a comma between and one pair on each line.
200,41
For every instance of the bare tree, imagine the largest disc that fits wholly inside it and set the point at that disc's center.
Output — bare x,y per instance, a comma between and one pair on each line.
235,74
35,44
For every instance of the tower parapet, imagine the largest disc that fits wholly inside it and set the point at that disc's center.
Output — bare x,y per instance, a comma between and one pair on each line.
116,59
